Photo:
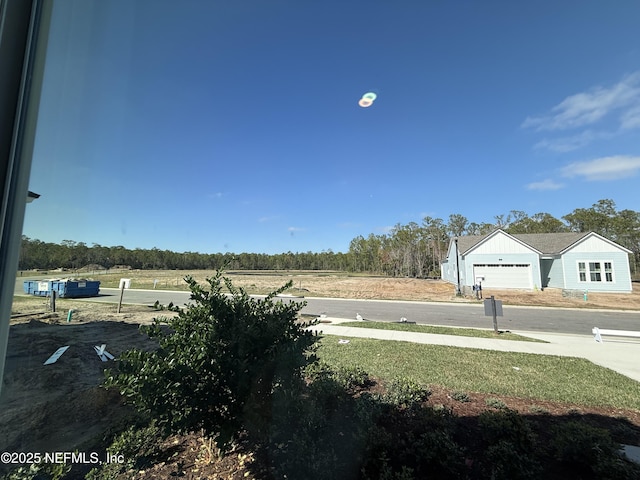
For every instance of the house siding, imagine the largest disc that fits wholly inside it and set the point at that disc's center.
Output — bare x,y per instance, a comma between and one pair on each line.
500,244
594,244
621,278
448,267
554,274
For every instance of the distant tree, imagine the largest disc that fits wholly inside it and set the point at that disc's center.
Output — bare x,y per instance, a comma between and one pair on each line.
538,223
501,221
457,225
435,232
599,218
480,228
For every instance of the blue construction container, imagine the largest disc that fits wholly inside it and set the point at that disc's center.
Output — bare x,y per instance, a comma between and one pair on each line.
63,288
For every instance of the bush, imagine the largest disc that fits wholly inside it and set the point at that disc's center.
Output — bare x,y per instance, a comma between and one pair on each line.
139,446
510,446
350,378
462,397
219,361
405,392
509,426
505,461
495,403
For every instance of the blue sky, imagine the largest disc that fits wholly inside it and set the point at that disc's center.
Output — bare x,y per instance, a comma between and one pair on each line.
217,126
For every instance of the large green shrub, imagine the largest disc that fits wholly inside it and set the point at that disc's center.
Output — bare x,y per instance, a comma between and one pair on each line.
218,362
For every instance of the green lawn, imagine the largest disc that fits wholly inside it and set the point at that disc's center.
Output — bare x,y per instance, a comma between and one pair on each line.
540,377
463,332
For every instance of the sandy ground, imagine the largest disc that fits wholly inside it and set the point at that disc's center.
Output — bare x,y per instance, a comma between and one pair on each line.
340,285
60,407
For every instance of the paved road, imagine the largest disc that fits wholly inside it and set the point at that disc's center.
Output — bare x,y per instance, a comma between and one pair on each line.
552,320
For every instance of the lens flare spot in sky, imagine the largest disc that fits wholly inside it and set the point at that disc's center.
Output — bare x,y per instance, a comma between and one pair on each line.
364,102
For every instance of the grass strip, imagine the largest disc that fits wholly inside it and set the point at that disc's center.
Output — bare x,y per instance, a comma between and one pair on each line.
537,377
462,332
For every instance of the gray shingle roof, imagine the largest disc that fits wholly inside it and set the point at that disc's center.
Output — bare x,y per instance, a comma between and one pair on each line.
466,243
550,243
546,243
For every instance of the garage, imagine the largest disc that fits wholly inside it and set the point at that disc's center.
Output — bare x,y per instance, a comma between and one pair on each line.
508,275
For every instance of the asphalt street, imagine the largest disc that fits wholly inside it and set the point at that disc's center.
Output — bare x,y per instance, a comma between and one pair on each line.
535,319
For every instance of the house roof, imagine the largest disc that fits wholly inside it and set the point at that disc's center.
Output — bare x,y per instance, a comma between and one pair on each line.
545,243
551,243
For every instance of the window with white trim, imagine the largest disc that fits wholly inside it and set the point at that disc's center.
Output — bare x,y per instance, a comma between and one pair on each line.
595,271
608,271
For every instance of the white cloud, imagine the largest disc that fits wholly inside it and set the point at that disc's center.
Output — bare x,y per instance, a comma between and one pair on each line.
630,119
568,144
295,229
605,168
547,184
587,108
268,219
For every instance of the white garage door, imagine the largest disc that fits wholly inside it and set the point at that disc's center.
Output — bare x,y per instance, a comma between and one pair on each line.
509,275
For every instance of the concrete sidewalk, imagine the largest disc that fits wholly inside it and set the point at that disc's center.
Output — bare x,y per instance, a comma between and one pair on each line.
619,354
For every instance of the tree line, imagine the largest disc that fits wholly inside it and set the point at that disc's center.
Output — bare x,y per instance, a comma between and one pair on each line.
410,250
416,250
72,255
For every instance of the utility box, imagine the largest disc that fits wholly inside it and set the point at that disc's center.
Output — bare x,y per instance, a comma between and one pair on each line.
63,288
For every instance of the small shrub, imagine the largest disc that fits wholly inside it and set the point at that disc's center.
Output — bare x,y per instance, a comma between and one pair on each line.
317,370
438,455
405,392
495,403
505,461
460,397
538,410
348,377
139,446
352,377
509,426
413,451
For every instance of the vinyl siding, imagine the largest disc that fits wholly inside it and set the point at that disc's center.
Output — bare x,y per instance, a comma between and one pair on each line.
620,263
595,245
555,273
500,244
448,267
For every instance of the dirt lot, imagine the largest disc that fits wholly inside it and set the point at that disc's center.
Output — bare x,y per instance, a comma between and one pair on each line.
60,407
431,290
340,285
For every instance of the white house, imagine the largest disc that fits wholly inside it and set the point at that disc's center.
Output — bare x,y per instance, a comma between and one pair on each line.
576,261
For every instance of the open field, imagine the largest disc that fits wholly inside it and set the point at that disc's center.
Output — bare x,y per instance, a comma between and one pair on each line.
342,285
